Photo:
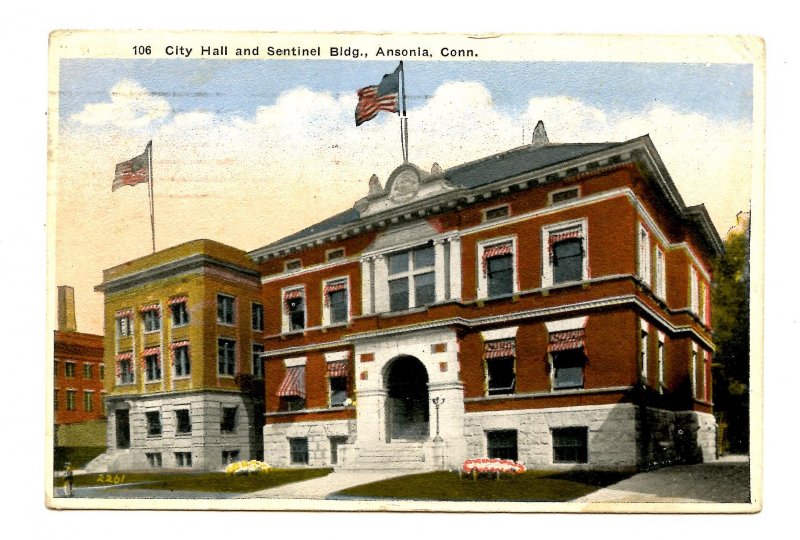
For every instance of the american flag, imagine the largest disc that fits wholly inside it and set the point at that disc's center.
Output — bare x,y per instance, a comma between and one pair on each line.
380,97
134,171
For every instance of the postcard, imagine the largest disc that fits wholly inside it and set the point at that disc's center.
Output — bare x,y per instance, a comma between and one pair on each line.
405,272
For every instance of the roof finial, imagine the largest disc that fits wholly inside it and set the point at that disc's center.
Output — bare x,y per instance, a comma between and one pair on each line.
540,135
375,185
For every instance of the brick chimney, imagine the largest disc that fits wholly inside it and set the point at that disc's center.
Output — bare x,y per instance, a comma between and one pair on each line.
66,309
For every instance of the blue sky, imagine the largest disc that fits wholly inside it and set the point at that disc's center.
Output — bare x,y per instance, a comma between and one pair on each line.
237,88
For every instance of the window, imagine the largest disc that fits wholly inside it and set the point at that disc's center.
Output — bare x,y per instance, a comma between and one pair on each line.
338,391
693,290
152,364
661,274
230,456
500,376
661,385
643,351
125,373
69,370
564,195
298,450
88,401
693,367
336,442
154,460
502,444
123,325
257,317
183,459
334,254
292,265
180,314
71,395
294,310
225,309
183,421
151,315
565,260
258,362
706,385
644,255
226,356
701,301
102,372
153,423
228,422
87,371
496,213
570,445
180,359
292,390
568,369
335,299
411,278
497,265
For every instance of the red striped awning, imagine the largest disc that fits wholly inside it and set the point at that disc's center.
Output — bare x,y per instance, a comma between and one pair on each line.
178,300
495,251
567,340
294,383
177,344
291,295
151,351
124,313
555,238
124,356
500,349
332,288
337,368
150,307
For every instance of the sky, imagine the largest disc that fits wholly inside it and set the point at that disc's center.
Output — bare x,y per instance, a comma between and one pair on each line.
246,152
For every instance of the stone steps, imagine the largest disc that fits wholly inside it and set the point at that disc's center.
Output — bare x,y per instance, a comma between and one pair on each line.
98,464
401,456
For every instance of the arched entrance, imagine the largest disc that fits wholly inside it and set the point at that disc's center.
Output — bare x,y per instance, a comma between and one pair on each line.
406,382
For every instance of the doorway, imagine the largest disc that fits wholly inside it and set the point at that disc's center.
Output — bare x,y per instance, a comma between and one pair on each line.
407,410
123,428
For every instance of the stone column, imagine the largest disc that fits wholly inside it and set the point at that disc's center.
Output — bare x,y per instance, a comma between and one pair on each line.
381,285
366,286
455,267
371,418
439,264
451,421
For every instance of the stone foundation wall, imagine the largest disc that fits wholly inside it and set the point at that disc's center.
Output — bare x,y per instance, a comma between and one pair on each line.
206,441
318,434
669,438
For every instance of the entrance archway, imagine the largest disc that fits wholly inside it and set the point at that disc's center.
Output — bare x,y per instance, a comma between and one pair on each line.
407,411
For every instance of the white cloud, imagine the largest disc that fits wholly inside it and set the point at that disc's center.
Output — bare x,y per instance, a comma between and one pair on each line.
131,106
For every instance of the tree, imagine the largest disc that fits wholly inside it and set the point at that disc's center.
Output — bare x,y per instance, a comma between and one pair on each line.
731,302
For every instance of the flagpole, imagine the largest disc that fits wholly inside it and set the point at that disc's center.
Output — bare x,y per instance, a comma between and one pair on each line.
150,192
404,118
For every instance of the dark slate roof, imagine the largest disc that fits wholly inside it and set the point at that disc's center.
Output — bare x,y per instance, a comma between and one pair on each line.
478,173
518,161
332,222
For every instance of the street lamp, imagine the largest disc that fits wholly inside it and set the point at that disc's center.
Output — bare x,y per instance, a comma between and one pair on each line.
437,402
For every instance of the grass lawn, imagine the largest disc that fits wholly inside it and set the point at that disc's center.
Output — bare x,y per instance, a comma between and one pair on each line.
538,486
201,481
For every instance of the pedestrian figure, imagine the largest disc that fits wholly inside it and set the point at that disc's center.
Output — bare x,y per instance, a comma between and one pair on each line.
68,481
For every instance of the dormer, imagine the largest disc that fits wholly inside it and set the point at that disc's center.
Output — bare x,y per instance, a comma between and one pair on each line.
406,184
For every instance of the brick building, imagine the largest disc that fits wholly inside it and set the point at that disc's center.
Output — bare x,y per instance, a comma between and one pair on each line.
553,299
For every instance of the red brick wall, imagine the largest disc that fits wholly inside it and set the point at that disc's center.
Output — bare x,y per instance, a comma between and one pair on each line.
81,349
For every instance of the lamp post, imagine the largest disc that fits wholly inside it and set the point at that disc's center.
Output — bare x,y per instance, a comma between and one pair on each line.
437,402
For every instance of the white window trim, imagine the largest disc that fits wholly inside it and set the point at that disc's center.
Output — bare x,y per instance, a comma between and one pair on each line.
252,326
160,321
645,254
412,272
483,278
498,334
253,359
564,325
694,370
337,356
661,274
694,290
174,360
236,361
226,295
547,265
661,362
290,261
332,250
486,211
326,309
644,342
295,361
564,190
285,312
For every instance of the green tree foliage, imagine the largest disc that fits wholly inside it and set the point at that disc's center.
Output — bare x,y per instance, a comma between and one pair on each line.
731,308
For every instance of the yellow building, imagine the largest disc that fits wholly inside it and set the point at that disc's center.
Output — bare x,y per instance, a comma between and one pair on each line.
182,329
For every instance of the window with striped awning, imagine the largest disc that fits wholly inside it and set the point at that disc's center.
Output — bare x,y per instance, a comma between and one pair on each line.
151,351
566,340
333,287
294,383
124,313
337,368
150,307
555,238
497,250
124,356
178,300
504,348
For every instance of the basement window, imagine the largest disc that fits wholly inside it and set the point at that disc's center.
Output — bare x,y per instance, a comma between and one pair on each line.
570,445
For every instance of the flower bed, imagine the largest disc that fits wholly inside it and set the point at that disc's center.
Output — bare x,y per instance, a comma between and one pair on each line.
247,467
491,466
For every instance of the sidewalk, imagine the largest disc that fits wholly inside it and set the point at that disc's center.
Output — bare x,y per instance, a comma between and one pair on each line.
320,488
724,481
